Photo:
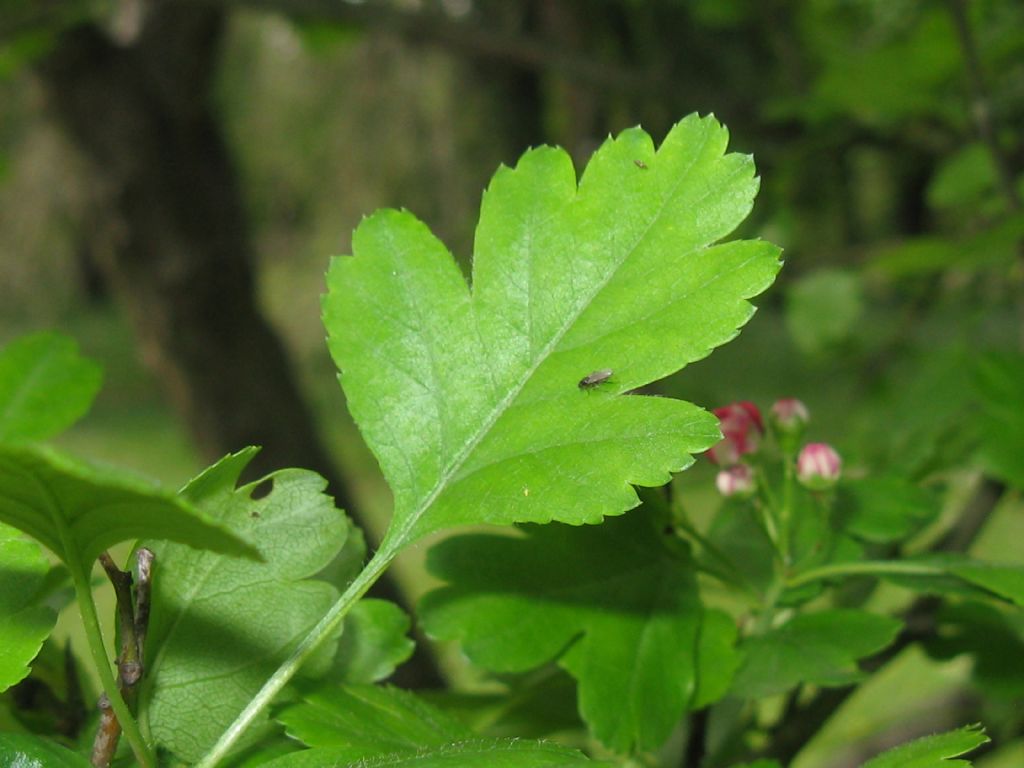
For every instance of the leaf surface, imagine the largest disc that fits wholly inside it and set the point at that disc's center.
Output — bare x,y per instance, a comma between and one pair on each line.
220,625
374,642
369,720
493,753
616,608
24,624
24,751
820,648
1001,417
469,399
964,575
936,751
884,509
77,511
45,387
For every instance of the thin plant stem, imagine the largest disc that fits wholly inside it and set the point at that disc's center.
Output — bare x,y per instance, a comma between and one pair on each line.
786,509
330,621
94,636
868,567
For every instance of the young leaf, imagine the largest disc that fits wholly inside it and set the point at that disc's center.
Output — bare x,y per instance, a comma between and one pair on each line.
217,618
820,648
375,641
616,608
24,624
935,751
493,753
77,511
24,751
469,399
370,720
45,387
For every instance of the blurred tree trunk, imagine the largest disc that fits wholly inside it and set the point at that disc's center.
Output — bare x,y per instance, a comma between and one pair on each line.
174,241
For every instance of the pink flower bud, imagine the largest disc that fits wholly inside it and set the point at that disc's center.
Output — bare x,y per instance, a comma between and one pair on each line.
741,427
818,466
737,480
789,415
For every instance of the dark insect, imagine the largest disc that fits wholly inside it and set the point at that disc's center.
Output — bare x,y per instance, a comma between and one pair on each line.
640,164
595,378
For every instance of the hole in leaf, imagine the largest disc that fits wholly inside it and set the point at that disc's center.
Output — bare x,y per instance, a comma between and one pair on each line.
261,490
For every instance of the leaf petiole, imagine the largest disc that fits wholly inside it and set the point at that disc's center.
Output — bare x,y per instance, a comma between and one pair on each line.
864,568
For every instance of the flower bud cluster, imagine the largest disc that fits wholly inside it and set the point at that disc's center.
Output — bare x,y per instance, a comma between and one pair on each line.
818,466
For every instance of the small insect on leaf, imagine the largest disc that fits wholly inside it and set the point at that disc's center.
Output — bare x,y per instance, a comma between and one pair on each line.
595,378
640,164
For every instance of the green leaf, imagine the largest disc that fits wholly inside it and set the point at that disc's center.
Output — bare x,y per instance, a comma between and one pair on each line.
374,642
1001,419
935,751
612,603
469,399
493,753
24,624
24,751
45,387
820,648
216,618
884,509
369,720
717,658
77,511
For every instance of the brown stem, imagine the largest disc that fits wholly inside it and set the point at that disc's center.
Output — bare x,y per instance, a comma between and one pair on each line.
132,623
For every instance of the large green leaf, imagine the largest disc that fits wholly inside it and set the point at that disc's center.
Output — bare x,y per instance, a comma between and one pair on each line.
24,624
77,511
45,386
935,751
469,399
820,648
370,720
24,751
493,753
612,603
217,618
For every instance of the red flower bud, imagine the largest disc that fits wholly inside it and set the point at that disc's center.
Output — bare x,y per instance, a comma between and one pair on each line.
789,415
818,466
737,481
742,428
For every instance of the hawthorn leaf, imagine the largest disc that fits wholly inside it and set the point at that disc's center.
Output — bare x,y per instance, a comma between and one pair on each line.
616,607
470,399
883,510
77,510
45,387
217,618
820,648
369,720
24,624
374,642
493,753
19,750
936,751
